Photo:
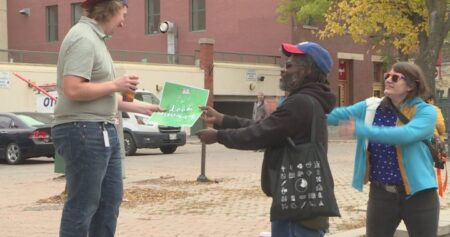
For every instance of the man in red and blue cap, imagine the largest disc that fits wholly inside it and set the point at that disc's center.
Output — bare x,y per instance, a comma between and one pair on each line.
304,79
316,55
84,131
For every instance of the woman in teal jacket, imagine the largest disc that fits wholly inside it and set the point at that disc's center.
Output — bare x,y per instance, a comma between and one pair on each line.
392,156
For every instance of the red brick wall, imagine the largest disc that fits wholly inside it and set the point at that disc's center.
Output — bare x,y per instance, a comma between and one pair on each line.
241,26
245,28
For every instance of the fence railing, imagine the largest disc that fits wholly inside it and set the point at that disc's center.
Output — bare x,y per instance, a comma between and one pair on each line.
25,56
150,57
43,57
247,58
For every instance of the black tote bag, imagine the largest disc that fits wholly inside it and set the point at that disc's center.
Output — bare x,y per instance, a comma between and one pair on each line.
301,185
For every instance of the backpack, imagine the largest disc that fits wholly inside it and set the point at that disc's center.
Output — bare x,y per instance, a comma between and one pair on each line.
438,153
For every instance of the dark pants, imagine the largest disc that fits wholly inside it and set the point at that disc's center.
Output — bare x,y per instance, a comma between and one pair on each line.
94,178
293,229
385,210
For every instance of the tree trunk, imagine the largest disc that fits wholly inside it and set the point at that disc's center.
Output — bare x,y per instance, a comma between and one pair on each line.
431,43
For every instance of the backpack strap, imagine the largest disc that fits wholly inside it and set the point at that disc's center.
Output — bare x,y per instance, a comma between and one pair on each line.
406,120
313,125
442,185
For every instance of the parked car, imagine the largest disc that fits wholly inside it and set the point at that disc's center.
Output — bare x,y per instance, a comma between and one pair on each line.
25,135
140,133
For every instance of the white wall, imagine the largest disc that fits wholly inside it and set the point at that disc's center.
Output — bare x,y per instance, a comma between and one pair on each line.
229,80
232,79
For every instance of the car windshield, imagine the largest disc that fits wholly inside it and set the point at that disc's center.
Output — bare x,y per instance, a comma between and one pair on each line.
35,119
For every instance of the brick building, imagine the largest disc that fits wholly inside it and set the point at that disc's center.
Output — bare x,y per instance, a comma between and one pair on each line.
242,29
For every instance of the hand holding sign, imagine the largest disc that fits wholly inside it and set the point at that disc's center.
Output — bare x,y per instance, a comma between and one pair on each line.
211,115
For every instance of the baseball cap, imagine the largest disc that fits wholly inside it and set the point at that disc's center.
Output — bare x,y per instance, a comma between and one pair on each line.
91,3
320,55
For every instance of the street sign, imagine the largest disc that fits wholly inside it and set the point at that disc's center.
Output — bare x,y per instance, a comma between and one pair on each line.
4,80
251,75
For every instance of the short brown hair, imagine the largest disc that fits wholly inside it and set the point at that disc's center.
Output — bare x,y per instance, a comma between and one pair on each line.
103,11
414,79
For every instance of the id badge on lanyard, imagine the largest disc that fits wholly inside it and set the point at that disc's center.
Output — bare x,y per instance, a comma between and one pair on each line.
105,136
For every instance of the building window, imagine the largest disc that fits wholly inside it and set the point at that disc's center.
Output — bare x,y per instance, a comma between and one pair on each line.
77,12
378,81
52,23
377,93
378,72
198,19
152,8
310,23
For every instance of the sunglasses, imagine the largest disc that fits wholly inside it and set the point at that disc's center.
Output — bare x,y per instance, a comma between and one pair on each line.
395,76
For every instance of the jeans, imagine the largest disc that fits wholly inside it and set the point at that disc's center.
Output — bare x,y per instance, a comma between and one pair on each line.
93,173
293,229
385,210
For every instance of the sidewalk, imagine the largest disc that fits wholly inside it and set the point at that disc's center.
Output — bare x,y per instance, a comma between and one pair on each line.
163,198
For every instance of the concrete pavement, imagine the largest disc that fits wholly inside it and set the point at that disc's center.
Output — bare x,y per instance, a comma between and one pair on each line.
164,199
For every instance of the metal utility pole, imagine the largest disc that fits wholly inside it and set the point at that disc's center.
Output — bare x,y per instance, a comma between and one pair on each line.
207,65
172,37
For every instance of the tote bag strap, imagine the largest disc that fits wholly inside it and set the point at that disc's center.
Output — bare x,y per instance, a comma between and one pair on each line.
313,125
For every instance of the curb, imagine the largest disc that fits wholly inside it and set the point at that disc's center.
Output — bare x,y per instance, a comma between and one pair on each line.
443,228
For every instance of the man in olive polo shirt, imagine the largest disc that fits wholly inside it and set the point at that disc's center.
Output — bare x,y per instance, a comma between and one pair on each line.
84,133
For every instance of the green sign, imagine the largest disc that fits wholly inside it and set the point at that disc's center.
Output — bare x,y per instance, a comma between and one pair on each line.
182,105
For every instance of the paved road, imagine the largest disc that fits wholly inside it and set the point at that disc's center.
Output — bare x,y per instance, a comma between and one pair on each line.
164,199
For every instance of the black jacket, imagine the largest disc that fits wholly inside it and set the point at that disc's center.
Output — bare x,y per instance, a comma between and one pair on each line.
291,119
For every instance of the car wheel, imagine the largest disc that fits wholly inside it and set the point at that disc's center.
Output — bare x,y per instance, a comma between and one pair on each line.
168,149
130,146
12,154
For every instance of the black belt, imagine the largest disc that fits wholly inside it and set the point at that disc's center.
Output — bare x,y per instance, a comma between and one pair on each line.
392,188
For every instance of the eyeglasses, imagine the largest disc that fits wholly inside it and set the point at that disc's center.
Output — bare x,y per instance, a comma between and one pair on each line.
395,76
